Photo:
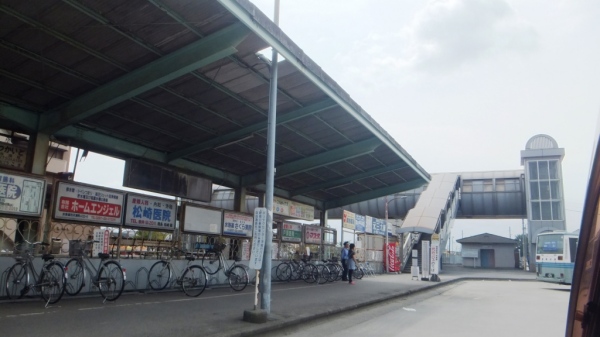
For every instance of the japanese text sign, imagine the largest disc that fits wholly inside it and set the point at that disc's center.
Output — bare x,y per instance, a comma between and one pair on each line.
378,226
313,234
361,223
348,220
237,224
148,212
12,156
291,232
293,209
85,203
259,237
21,195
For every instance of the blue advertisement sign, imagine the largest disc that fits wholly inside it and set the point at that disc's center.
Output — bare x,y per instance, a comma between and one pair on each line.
360,222
379,226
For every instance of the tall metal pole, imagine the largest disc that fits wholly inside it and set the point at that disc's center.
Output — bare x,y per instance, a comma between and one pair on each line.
385,250
265,295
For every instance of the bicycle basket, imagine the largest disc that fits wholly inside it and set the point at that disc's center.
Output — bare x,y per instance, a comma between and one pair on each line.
77,248
23,250
218,246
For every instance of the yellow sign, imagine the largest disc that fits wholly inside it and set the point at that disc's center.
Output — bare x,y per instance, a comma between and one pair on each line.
293,209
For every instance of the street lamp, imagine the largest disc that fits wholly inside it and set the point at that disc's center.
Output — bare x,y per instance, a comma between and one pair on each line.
387,255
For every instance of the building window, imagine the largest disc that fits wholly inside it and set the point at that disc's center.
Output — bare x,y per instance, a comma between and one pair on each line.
544,190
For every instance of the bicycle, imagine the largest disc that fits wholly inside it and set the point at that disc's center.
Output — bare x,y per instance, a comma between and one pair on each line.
51,280
293,270
193,279
236,273
108,277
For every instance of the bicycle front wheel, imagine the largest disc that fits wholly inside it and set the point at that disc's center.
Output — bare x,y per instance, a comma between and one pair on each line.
52,282
309,273
17,280
75,277
284,272
159,275
111,281
238,278
322,274
194,281
358,273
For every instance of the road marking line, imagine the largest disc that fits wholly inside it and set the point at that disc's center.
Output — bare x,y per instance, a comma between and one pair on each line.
32,314
94,308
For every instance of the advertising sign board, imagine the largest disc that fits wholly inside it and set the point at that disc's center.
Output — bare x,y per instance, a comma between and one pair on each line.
348,220
378,226
12,156
21,195
425,261
293,209
313,234
361,223
291,232
237,224
202,220
150,212
78,202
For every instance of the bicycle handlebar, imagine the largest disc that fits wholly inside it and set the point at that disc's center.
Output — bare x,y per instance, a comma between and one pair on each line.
36,243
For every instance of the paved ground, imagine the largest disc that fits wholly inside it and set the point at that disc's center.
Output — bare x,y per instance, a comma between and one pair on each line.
219,311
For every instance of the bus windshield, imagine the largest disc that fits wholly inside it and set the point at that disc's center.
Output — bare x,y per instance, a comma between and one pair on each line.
550,244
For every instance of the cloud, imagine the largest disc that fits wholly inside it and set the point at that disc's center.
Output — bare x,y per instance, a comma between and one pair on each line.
440,37
448,34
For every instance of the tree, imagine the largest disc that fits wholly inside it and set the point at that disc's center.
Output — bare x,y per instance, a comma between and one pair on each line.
151,235
520,239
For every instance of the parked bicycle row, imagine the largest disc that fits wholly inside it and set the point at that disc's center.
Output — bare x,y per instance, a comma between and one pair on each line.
316,271
55,278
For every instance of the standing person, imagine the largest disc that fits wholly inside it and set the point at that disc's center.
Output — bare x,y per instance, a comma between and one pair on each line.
351,263
344,258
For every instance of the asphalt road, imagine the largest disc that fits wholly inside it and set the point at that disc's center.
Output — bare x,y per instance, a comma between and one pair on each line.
219,310
463,309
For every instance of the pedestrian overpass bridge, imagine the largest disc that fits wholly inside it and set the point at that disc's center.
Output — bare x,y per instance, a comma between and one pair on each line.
432,208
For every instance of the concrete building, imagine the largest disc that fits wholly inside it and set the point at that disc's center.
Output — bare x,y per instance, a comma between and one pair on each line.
488,251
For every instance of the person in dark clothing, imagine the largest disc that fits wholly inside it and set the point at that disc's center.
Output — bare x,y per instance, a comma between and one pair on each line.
351,263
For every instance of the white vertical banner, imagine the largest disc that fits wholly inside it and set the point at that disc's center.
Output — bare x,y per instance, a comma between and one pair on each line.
425,261
103,238
435,254
258,238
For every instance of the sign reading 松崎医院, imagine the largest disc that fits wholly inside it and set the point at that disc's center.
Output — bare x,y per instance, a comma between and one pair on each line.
150,212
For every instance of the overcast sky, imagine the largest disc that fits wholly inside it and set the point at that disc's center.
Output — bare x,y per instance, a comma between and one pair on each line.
462,85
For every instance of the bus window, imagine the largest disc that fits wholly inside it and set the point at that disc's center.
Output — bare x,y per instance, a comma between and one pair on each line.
550,244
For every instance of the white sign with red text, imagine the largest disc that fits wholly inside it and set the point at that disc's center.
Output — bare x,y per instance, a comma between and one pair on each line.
102,236
313,234
391,251
85,203
435,257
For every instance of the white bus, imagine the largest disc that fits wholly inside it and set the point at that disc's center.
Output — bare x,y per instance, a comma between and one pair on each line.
555,256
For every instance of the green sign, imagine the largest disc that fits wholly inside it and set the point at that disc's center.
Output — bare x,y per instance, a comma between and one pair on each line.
291,232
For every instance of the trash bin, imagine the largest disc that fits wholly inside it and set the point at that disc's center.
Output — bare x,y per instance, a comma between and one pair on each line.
56,246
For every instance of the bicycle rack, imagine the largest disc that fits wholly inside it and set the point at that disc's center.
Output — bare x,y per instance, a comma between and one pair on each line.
3,278
137,278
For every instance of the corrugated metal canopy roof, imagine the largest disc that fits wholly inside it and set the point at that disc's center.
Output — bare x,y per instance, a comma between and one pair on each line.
178,82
